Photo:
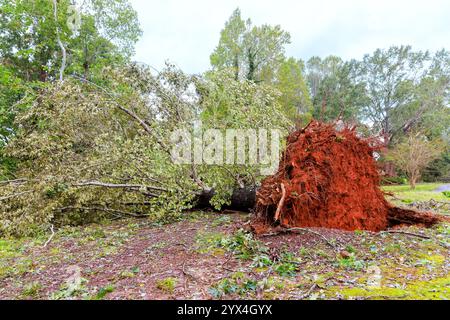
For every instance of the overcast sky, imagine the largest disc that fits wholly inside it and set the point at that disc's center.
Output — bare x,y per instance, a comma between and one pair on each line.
185,32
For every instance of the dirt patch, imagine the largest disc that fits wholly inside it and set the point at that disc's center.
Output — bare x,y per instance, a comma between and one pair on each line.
133,260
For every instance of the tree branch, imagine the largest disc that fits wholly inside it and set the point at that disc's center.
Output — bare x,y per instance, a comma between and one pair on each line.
120,212
133,115
120,186
15,195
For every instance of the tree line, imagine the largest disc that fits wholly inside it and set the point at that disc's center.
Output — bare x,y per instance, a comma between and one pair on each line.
395,93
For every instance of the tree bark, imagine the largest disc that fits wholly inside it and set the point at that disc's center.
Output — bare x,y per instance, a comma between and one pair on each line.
412,181
242,199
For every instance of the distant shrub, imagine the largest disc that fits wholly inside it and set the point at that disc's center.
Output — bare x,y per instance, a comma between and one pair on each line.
394,180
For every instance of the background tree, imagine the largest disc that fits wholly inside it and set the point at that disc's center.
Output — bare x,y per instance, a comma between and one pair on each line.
30,33
108,33
334,91
254,52
230,51
428,110
391,78
294,95
28,37
414,154
31,53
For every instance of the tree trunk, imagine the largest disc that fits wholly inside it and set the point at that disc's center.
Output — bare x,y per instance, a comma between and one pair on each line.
236,67
412,181
242,199
86,70
251,66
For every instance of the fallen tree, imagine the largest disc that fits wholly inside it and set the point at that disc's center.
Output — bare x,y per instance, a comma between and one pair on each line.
86,151
244,200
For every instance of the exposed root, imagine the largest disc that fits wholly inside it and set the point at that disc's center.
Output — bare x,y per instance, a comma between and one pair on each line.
329,178
281,203
401,216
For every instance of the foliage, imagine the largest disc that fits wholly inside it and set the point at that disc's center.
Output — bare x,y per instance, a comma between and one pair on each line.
238,284
28,40
230,104
32,290
81,155
438,170
403,89
334,91
256,53
229,53
294,93
251,51
103,292
286,269
351,263
34,42
241,243
30,33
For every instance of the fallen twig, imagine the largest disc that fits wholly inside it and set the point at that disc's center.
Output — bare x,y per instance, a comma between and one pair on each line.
15,195
308,293
50,238
300,230
407,233
15,181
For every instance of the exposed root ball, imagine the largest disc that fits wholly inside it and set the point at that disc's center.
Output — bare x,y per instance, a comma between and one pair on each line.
327,178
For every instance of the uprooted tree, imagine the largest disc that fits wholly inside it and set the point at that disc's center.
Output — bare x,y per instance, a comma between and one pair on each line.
88,150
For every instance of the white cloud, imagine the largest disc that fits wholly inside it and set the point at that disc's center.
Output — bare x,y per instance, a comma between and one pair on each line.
186,32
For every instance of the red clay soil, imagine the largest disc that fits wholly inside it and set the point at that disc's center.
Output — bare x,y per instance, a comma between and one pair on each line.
329,178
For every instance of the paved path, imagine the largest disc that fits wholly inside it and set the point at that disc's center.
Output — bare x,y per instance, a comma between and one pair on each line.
445,187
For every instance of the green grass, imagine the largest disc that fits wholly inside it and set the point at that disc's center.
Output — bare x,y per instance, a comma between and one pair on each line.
167,285
423,192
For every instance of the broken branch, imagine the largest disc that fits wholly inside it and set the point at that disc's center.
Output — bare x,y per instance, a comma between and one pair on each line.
281,203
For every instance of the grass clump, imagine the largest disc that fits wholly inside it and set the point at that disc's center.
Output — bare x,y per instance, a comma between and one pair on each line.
167,285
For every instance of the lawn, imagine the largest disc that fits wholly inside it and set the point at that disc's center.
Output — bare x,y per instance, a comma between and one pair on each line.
423,192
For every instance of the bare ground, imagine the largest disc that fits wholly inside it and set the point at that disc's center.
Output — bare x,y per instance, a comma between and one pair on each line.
208,256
